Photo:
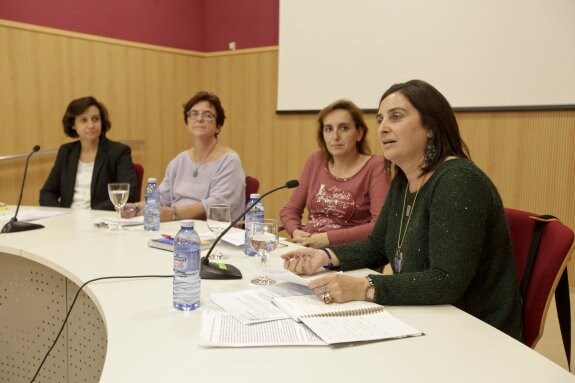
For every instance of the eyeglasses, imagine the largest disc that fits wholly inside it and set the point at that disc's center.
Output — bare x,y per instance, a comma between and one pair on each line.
206,116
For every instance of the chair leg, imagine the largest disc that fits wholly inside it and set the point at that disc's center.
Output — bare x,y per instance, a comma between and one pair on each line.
562,301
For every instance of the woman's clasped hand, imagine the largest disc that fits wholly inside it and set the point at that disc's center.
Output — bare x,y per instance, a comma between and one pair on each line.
332,287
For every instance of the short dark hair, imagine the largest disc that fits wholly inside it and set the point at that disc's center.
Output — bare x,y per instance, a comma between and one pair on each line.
212,99
362,146
436,115
79,106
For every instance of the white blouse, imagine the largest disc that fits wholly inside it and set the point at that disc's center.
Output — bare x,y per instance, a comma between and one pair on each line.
82,194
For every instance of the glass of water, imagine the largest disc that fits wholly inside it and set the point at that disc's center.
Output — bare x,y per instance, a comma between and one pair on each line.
218,219
118,193
264,239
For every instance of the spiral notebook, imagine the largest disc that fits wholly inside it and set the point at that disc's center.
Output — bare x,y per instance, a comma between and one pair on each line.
300,306
355,321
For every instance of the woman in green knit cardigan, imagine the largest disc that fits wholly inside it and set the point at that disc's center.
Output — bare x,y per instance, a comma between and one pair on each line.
442,227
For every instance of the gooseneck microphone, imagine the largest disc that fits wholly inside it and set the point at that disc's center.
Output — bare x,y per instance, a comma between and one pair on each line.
216,270
14,225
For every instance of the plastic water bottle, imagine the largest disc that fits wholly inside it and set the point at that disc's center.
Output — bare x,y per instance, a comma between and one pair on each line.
152,208
255,214
186,267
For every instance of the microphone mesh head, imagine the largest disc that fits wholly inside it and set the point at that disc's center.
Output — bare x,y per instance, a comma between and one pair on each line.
292,184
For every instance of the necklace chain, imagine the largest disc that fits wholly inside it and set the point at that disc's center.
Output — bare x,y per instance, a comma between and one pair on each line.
195,173
400,237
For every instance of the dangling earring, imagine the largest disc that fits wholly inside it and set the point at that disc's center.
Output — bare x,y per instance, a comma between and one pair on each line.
429,153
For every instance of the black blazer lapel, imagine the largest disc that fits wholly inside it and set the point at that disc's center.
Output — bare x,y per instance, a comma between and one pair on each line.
99,163
69,175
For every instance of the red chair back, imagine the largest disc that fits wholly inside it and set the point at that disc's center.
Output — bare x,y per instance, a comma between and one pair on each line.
252,186
552,258
139,169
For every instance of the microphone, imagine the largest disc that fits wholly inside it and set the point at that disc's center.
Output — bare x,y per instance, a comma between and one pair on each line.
216,270
14,225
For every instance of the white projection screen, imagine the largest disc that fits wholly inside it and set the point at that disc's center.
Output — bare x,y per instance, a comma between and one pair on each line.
484,54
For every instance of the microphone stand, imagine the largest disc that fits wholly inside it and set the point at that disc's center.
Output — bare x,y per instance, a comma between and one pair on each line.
217,270
14,225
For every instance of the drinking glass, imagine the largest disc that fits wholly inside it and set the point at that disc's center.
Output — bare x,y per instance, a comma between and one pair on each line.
118,193
218,219
264,239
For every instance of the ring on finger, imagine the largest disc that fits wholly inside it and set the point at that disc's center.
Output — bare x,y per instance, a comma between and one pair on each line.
322,288
327,299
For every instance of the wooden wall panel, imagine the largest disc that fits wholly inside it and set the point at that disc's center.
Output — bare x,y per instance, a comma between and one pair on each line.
42,70
528,155
272,147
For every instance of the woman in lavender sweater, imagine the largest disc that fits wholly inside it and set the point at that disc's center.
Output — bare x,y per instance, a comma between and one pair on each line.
208,173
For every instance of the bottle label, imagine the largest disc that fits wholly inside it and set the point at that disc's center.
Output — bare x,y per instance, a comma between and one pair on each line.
184,261
255,214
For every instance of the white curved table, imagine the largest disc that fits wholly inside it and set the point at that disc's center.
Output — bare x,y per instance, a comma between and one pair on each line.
145,340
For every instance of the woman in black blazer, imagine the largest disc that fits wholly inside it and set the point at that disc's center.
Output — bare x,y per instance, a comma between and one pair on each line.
83,168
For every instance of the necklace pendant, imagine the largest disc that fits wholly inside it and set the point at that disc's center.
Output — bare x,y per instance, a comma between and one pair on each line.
398,260
195,173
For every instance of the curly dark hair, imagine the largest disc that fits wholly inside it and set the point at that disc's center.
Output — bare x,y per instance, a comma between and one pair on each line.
212,99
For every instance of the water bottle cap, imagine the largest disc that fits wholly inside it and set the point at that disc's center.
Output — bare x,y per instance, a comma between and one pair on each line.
152,179
187,223
254,195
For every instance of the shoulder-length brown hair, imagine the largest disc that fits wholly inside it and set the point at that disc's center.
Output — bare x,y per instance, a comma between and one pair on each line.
362,146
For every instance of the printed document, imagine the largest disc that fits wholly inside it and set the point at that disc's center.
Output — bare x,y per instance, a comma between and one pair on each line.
255,305
220,329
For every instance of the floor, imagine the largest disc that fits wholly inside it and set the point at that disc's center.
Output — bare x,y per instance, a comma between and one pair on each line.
550,345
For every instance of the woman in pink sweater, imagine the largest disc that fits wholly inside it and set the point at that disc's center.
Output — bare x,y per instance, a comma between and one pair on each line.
342,185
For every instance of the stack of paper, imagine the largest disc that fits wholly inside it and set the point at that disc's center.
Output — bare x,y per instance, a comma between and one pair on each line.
257,317
220,329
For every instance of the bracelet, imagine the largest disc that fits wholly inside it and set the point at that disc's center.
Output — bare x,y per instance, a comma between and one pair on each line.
175,215
330,265
370,290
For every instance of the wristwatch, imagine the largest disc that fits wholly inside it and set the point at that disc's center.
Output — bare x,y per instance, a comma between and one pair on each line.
369,290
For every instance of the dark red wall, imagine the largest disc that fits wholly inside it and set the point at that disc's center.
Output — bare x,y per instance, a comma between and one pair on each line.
200,25
250,23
